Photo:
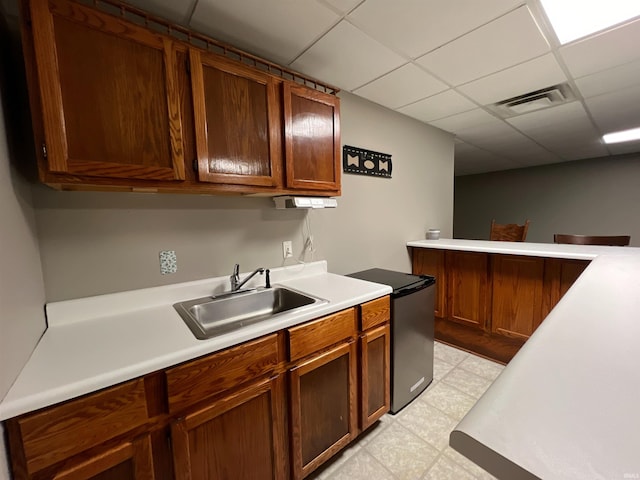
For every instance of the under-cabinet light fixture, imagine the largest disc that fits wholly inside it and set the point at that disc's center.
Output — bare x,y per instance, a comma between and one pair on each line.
289,201
573,19
622,136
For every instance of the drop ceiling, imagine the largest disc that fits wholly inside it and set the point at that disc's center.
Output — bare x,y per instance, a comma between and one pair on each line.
444,62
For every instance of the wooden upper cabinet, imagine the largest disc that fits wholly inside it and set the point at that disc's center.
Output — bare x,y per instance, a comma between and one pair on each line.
238,130
108,94
312,138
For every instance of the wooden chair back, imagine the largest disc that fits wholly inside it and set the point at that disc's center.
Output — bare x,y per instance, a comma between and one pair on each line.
615,240
509,232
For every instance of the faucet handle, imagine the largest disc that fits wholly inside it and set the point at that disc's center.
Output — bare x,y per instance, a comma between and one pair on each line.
267,280
236,270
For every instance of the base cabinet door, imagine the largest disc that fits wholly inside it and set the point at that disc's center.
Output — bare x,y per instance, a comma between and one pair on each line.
240,436
375,374
323,407
128,460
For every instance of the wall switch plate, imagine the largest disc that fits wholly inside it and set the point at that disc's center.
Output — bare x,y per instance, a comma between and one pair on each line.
168,262
287,249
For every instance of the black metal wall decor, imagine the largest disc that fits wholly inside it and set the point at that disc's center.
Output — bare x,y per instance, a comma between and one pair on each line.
365,162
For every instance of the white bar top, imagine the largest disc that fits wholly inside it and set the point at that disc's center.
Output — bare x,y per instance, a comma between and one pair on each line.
551,250
93,343
567,405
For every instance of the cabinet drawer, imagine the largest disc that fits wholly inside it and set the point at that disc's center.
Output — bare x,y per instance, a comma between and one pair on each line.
375,312
318,334
191,382
60,432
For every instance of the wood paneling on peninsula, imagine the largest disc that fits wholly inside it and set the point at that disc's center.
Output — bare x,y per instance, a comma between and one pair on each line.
490,304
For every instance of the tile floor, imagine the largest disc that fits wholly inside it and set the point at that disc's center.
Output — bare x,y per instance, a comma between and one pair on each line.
414,444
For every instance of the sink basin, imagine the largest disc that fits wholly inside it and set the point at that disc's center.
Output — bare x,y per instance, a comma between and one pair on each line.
211,316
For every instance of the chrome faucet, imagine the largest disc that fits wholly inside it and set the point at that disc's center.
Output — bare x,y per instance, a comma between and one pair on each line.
236,284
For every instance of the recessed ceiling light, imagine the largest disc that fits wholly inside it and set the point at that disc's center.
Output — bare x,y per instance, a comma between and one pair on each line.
622,136
573,19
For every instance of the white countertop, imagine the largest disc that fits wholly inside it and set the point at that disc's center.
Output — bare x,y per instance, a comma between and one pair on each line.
96,342
551,250
566,406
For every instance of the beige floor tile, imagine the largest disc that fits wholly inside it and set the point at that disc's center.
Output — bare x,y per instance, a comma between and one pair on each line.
404,454
482,367
468,465
361,466
329,468
428,423
441,368
449,354
449,400
467,382
376,429
447,469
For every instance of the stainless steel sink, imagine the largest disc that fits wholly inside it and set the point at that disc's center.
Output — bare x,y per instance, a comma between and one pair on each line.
211,316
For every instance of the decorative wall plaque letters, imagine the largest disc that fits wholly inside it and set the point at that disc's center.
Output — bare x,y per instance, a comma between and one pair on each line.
365,162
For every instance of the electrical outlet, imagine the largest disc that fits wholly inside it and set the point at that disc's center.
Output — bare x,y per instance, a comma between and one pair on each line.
287,249
168,262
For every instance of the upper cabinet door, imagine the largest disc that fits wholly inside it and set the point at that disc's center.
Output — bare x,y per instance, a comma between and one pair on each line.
237,122
312,138
108,92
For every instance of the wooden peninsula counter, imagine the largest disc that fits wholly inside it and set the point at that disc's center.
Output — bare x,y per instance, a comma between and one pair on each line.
491,296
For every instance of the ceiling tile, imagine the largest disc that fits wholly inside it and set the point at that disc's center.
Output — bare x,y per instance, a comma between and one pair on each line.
556,122
507,41
273,29
489,134
347,58
606,81
405,85
438,106
600,52
415,27
624,147
342,6
527,77
173,11
463,120
617,110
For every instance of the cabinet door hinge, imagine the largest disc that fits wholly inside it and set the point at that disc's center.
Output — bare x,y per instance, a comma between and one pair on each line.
44,149
195,165
188,64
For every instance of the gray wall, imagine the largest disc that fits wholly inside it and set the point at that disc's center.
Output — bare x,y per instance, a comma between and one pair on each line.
588,197
21,286
94,243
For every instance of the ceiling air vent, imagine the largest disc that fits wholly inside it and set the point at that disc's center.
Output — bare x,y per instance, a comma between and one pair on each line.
532,101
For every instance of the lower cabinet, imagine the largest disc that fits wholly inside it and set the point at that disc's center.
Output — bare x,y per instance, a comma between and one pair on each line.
276,407
239,436
468,293
128,460
323,407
